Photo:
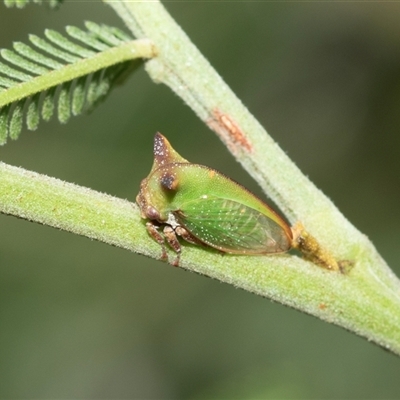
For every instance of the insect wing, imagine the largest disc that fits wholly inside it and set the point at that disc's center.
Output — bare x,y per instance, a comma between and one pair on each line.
231,226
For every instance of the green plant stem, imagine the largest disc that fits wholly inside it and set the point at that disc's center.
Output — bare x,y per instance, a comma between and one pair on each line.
360,304
126,51
367,300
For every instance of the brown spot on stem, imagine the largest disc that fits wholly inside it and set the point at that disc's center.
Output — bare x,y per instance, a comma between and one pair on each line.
228,129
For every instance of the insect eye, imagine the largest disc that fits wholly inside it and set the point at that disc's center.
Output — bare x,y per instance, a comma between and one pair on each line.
152,213
169,181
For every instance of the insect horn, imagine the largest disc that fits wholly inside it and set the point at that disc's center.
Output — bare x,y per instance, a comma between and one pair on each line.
164,153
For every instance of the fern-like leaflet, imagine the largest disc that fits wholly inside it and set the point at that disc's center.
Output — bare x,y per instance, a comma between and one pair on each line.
59,75
23,3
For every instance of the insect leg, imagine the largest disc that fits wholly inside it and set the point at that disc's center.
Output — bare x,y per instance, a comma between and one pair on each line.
172,240
152,229
184,234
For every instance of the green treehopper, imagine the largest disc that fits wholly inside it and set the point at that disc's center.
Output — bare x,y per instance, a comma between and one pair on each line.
204,207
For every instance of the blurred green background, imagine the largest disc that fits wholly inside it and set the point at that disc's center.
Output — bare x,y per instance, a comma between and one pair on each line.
80,319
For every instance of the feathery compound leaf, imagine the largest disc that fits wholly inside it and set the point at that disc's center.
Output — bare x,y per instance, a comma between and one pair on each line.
15,126
23,3
3,124
22,62
78,96
97,87
17,3
48,104
27,51
32,114
55,3
106,34
49,48
86,37
13,73
72,77
64,103
7,82
66,44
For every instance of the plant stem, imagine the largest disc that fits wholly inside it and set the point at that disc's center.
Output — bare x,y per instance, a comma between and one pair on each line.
363,305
